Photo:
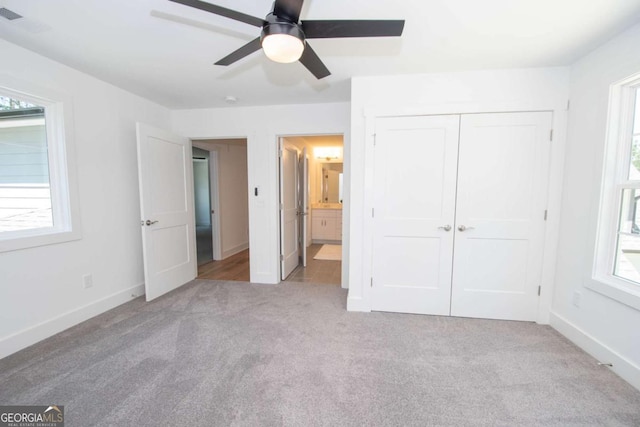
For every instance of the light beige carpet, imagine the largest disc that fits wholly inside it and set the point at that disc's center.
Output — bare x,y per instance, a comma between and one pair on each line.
329,253
215,353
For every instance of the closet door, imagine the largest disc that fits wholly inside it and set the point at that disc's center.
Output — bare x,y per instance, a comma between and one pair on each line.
415,161
500,215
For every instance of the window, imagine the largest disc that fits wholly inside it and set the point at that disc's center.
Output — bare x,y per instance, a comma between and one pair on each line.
617,267
37,202
627,256
25,195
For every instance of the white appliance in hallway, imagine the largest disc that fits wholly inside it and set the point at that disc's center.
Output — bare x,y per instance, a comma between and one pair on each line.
459,214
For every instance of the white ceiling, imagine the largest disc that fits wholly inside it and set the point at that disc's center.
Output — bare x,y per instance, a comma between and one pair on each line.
148,48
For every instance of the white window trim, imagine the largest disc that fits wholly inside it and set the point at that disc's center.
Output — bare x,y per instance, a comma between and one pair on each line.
614,178
62,168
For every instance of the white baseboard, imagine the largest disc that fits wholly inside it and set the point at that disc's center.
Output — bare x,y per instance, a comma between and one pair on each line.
357,304
236,249
326,242
625,368
36,333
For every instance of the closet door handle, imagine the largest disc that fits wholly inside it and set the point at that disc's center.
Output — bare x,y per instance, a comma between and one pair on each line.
445,227
463,228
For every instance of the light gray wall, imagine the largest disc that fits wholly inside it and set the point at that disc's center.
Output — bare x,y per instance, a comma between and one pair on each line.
41,290
606,328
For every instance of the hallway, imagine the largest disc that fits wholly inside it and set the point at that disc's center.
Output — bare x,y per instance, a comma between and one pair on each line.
236,268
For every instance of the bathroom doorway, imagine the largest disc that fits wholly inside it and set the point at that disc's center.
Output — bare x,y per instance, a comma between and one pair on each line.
319,165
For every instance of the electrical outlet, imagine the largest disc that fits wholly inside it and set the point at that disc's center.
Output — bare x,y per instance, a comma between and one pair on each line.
87,281
577,296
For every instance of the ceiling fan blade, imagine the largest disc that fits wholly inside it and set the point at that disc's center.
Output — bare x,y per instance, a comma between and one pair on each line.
352,28
289,9
313,63
245,50
222,11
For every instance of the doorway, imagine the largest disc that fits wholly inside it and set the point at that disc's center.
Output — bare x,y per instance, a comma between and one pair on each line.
228,211
311,197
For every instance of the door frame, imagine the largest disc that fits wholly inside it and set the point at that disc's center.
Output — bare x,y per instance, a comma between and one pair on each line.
214,190
360,293
346,202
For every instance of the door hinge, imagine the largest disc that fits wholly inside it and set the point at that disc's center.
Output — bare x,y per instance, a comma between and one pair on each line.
373,213
551,135
142,223
568,104
545,214
281,206
539,290
372,282
281,257
374,139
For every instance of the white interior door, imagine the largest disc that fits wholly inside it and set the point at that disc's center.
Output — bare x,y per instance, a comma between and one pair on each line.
500,215
167,209
288,209
304,204
415,161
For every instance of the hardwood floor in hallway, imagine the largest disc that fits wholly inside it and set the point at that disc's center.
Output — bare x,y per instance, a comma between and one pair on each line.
236,267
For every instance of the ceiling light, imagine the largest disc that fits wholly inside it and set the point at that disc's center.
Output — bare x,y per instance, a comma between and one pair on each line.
327,153
282,41
230,99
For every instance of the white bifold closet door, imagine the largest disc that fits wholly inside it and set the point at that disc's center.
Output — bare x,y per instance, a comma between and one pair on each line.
459,208
415,161
501,201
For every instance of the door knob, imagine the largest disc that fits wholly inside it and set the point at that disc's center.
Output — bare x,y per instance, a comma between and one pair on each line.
445,227
463,228
149,222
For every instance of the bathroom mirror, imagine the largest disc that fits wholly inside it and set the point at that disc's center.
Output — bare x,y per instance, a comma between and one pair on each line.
331,182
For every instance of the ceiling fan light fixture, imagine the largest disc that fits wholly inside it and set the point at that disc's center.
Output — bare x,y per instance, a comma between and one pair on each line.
282,41
283,48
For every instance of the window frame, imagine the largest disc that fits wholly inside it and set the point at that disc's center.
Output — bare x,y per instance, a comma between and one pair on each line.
62,177
615,179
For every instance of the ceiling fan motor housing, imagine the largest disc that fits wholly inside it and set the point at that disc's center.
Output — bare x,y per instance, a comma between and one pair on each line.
274,25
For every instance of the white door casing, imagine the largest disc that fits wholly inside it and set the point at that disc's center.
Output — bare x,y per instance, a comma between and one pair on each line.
289,227
502,193
415,161
167,210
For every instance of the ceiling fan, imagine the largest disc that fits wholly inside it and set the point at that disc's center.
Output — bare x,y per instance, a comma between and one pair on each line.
283,36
